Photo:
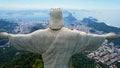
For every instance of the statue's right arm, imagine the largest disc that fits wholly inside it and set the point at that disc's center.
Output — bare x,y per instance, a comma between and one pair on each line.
111,35
89,41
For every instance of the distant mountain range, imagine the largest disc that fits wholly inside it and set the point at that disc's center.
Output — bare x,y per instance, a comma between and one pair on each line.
108,16
101,26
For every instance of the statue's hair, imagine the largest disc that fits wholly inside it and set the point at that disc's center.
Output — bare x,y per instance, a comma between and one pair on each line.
55,9
56,19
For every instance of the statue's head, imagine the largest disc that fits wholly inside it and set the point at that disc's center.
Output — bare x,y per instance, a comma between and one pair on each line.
56,19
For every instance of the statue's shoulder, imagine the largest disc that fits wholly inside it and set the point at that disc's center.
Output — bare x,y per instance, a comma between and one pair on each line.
74,31
70,31
40,31
67,29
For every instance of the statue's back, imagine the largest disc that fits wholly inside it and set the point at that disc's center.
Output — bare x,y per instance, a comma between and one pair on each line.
59,49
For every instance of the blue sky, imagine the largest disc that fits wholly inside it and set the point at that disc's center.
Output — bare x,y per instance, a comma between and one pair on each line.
72,4
110,9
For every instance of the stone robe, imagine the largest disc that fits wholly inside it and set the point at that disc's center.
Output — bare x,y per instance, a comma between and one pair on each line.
56,46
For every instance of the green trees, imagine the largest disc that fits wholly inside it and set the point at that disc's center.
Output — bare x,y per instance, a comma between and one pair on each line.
38,64
6,54
30,60
81,61
25,60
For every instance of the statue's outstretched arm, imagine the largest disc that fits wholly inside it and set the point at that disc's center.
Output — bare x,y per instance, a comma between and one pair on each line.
19,41
89,41
4,35
111,35
33,42
96,40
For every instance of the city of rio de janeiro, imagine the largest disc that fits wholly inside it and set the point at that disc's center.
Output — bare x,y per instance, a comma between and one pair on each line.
59,34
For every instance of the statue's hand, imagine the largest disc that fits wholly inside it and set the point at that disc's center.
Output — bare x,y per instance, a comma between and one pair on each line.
4,35
112,35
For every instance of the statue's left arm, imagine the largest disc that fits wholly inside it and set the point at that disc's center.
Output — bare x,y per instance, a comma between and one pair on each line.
21,41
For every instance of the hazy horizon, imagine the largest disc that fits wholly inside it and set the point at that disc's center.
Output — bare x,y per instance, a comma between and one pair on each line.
76,4
107,11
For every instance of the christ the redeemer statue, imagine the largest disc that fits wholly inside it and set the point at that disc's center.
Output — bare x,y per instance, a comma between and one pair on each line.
57,43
